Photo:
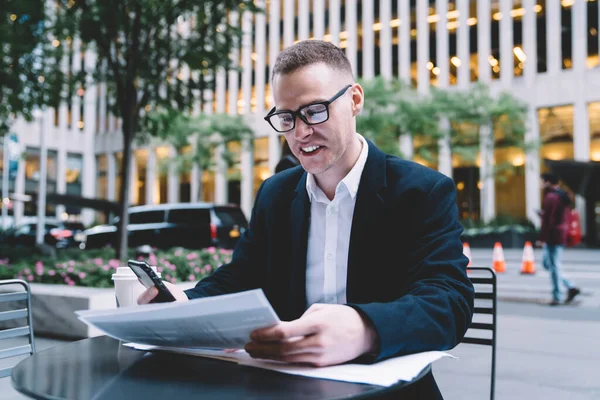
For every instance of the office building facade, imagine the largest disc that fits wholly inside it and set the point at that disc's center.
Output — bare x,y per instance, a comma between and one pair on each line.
544,52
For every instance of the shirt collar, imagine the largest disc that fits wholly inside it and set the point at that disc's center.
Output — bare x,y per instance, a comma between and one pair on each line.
350,181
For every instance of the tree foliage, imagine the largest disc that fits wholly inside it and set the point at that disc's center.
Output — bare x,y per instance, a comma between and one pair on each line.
21,66
153,55
393,109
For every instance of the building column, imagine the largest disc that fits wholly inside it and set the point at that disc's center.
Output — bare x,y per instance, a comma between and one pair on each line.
61,169
351,29
220,176
533,199
532,157
462,38
195,178
486,173
318,18
288,22
581,147
247,184
403,41
443,67
172,180
334,21
88,184
111,177
506,43
368,47
385,35
151,175
553,37
19,206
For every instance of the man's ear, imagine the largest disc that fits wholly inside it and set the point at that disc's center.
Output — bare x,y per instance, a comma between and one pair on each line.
358,99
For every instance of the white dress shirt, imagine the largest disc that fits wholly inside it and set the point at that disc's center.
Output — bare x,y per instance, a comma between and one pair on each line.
329,235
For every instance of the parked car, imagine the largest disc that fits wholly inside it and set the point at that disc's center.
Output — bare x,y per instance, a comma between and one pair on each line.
189,225
59,234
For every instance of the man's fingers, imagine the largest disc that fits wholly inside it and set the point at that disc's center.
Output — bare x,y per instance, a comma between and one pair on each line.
148,295
298,345
285,330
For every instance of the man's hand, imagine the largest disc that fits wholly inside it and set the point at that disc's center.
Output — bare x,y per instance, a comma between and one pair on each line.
326,334
151,293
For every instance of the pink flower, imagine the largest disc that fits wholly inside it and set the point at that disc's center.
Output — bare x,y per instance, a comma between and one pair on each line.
70,269
173,280
223,251
152,259
172,267
211,250
197,270
3,261
159,269
105,267
98,261
114,263
71,283
39,264
192,264
71,263
191,256
208,269
27,271
191,278
52,272
216,257
82,275
30,278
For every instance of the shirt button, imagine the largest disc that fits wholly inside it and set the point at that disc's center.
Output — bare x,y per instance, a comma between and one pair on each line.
329,256
332,211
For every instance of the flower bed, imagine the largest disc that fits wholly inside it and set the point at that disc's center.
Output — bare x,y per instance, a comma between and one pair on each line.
94,268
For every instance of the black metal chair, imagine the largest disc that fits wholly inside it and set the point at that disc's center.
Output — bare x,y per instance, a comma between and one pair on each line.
17,314
484,281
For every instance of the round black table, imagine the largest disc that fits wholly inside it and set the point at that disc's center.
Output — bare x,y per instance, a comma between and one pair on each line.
101,368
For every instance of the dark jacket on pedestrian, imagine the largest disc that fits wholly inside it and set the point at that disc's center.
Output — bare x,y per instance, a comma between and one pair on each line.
410,282
555,217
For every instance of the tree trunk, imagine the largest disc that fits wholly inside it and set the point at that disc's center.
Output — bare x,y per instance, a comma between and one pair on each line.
129,124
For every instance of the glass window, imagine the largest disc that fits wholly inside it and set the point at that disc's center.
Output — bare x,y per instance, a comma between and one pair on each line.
147,217
189,216
594,116
230,216
101,176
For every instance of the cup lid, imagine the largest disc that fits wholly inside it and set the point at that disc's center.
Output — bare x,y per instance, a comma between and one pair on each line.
127,273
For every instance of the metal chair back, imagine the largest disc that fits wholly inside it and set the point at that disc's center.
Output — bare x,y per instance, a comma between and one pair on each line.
484,281
16,314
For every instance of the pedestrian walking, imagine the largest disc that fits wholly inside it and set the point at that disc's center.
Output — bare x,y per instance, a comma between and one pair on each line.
556,209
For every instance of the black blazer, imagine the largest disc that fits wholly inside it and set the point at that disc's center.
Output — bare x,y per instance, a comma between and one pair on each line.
406,269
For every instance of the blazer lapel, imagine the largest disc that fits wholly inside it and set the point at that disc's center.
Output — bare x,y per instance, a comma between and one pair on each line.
368,213
300,220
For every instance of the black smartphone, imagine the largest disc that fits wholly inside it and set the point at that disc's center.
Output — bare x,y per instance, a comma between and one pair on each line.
149,278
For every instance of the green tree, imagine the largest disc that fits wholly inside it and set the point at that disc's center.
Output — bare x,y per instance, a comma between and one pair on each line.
194,138
143,48
21,67
392,109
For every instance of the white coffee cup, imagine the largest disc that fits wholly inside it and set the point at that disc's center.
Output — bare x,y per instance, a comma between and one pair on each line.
127,286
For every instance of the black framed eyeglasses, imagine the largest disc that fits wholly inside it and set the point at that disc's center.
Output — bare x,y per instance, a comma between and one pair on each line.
311,114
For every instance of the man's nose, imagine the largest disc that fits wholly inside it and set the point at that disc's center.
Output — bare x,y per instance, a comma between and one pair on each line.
302,130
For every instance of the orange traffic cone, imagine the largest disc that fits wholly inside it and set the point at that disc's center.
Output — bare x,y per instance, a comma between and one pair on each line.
498,258
528,264
467,252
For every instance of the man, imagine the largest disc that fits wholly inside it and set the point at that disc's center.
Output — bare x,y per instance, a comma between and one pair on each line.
359,252
553,235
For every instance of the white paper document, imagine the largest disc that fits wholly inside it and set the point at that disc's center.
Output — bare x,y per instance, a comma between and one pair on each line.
222,322
384,373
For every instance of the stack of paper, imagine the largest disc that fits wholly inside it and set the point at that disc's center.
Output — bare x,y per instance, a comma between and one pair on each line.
204,327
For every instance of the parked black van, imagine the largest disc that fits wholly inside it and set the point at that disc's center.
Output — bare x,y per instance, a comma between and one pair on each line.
188,225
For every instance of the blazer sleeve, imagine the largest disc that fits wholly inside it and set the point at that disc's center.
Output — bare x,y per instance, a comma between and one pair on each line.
437,308
243,272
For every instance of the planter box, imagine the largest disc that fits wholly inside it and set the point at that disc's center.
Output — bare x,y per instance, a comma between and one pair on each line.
509,237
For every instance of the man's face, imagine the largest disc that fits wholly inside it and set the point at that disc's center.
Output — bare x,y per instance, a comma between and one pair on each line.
311,84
